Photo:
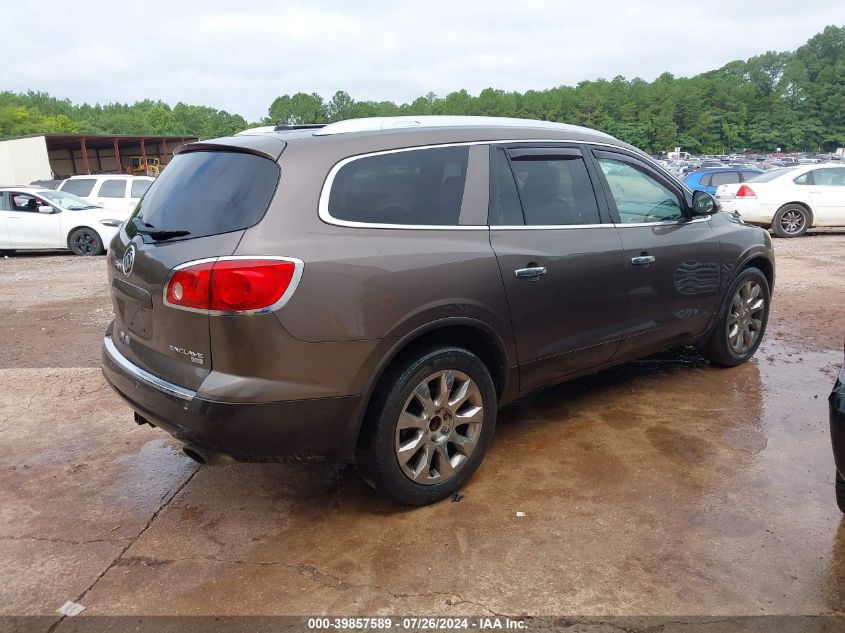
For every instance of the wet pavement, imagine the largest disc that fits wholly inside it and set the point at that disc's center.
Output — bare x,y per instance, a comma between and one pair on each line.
661,487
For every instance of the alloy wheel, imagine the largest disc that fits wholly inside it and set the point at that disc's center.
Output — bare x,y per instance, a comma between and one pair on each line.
745,320
439,427
792,221
83,243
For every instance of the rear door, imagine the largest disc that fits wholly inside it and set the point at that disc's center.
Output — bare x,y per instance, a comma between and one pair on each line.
213,196
112,193
561,261
672,259
827,194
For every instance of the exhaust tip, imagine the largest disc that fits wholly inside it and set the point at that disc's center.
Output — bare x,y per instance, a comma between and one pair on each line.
194,454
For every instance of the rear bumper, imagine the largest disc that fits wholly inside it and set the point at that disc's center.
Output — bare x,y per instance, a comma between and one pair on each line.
837,422
250,432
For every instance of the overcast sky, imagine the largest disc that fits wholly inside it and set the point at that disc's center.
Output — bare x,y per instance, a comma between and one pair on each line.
238,56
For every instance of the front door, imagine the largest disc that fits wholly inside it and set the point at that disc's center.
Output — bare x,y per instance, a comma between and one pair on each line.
28,227
560,260
671,257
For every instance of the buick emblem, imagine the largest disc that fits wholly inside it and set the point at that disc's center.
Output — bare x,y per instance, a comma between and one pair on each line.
128,260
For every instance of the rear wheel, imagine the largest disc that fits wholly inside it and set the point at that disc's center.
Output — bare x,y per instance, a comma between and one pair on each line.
428,426
85,241
791,220
741,321
840,492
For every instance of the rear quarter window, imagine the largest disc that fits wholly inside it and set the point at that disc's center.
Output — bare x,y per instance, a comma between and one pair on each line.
208,193
414,187
139,187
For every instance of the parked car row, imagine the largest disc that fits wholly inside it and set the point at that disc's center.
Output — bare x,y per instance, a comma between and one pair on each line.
81,213
789,200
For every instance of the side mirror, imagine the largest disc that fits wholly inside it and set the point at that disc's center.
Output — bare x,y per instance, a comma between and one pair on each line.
45,208
703,203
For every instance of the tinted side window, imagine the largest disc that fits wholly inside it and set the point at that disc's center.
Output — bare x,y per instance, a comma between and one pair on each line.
505,209
139,187
834,177
114,188
639,197
417,187
207,193
705,180
79,186
24,202
725,178
555,190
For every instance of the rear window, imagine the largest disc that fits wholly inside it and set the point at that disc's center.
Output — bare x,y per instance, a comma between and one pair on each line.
79,186
415,187
771,175
208,193
139,187
725,178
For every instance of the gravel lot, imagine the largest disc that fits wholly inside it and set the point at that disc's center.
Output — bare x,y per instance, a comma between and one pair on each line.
661,487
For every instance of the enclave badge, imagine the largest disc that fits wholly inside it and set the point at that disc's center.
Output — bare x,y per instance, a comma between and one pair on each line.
128,260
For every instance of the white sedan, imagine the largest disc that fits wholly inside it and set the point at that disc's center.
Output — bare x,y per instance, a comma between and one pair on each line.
790,200
34,218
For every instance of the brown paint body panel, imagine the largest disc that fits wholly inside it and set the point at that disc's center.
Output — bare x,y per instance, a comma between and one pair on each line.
298,380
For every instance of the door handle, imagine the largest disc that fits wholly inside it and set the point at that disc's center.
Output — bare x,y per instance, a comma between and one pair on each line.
814,191
530,272
643,260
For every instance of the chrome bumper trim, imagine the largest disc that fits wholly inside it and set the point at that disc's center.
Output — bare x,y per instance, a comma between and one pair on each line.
145,376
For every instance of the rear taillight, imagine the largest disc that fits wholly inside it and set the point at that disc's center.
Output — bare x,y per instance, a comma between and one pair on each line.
233,284
745,192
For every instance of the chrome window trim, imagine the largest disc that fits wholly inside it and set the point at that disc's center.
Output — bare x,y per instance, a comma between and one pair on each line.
298,266
143,375
608,225
323,204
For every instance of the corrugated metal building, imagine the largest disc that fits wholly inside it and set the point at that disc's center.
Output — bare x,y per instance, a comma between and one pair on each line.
51,156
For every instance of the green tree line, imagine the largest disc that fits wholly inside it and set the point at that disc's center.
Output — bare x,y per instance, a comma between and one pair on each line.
792,100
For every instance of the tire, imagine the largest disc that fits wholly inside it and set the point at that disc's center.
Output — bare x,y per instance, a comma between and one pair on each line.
791,220
434,432
840,492
85,241
729,347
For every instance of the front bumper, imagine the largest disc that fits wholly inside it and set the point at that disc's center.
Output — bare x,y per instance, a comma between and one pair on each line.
249,432
837,422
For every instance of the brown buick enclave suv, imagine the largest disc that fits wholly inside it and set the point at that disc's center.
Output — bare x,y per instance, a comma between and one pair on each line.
373,290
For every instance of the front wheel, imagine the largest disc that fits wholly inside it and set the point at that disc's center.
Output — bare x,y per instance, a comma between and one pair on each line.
85,241
429,424
741,321
840,492
791,220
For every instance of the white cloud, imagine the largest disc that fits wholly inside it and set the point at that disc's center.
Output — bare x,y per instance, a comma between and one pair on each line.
240,57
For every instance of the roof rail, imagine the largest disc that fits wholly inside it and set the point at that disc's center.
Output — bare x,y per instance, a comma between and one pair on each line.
372,124
282,127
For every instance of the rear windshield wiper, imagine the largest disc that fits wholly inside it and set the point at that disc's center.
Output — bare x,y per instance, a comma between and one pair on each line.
157,234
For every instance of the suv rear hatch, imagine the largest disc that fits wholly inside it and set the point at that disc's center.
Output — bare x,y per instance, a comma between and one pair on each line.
198,209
